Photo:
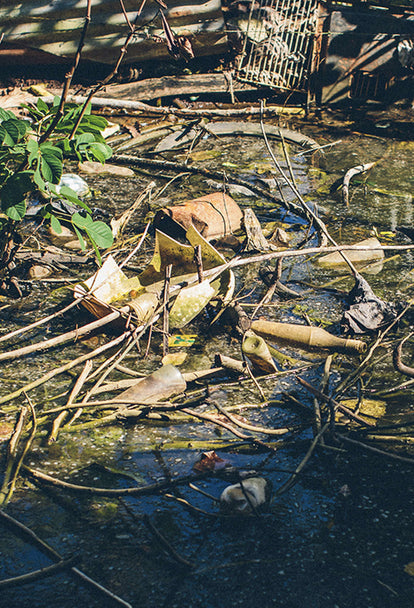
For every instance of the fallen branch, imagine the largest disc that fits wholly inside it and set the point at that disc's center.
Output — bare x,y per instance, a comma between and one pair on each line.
370,448
336,404
293,479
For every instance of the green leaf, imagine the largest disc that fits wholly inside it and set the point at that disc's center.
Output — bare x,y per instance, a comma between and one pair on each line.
101,234
42,106
97,121
55,224
70,195
82,221
84,138
15,128
100,151
33,149
51,164
15,189
6,114
47,148
16,212
80,237
4,136
38,179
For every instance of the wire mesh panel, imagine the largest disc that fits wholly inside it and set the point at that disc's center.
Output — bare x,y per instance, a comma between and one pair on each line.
277,43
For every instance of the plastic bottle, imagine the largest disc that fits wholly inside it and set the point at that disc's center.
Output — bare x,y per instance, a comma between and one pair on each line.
305,336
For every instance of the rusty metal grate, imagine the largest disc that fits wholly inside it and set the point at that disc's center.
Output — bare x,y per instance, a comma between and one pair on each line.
368,85
277,43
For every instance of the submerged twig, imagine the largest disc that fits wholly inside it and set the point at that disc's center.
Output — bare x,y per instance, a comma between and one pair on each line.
293,479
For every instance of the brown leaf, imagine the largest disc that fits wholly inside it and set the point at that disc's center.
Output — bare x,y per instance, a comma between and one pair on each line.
209,461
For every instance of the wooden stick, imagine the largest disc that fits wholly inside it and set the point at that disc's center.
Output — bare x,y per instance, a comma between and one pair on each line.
291,482
215,420
370,448
165,299
398,364
132,105
12,452
147,490
251,427
42,321
26,448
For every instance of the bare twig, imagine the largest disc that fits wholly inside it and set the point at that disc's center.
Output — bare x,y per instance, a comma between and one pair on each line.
69,75
165,299
293,479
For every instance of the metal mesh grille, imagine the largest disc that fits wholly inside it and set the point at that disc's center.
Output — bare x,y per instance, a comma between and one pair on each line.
278,42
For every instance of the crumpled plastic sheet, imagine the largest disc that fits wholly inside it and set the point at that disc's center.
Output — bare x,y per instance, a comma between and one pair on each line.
366,312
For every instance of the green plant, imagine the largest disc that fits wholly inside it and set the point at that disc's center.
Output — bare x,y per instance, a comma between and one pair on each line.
29,165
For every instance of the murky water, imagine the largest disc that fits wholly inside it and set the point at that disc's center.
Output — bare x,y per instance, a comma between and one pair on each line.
342,536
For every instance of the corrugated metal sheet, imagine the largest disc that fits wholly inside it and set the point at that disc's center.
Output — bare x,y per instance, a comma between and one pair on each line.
55,26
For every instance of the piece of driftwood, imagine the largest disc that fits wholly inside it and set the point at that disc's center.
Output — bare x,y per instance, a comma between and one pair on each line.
52,255
349,175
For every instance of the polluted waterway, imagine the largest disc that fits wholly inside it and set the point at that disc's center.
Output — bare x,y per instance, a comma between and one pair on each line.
335,527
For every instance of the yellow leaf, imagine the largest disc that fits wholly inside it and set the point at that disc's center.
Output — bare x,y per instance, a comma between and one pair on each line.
409,568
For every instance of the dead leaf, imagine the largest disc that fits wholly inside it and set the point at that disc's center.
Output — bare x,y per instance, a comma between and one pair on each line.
409,568
209,461
177,358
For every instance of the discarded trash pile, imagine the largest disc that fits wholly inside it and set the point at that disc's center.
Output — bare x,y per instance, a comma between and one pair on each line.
187,279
